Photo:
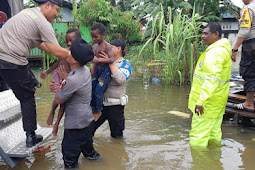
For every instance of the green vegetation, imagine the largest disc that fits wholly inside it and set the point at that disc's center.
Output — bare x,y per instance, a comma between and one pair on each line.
173,42
179,40
118,24
163,36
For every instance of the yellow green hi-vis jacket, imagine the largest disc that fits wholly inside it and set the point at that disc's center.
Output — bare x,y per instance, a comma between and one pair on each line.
210,86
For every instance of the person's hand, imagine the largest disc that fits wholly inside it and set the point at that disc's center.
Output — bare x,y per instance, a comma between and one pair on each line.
103,55
43,75
93,68
233,57
199,110
53,86
62,72
95,60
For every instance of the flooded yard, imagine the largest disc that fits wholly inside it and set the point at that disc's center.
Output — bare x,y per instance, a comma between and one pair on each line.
153,138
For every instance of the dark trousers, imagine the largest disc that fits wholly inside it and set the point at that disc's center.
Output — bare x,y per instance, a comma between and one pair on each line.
22,83
75,142
100,83
247,65
115,117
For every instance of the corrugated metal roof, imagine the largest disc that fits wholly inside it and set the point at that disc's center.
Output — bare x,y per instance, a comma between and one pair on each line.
227,15
67,15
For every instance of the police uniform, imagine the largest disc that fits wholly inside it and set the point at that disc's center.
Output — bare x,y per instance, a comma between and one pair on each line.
79,121
247,31
115,99
76,93
21,33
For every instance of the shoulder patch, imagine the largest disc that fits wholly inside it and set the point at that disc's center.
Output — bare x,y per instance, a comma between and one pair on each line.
63,84
126,69
200,65
245,20
3,17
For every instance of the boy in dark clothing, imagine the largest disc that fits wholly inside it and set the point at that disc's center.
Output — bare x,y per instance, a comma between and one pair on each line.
75,92
102,72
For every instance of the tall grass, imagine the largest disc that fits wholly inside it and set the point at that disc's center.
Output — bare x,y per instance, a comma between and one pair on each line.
179,39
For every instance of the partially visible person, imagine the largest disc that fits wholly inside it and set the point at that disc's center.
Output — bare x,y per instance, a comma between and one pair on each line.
102,73
71,35
75,92
16,6
210,88
115,97
246,37
26,30
5,12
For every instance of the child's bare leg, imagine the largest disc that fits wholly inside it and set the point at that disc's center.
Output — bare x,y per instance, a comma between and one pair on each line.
52,113
60,115
96,114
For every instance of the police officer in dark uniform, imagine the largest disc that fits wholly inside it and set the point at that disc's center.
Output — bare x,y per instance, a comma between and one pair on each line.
26,30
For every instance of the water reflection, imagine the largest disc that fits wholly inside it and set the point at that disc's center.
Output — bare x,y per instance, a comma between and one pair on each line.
153,138
203,158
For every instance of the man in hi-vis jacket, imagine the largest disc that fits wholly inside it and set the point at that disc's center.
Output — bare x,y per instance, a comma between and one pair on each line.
210,87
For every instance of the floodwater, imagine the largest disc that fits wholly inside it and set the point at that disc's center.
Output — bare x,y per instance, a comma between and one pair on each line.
153,138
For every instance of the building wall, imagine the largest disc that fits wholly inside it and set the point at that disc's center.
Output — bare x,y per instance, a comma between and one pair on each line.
62,27
230,30
229,25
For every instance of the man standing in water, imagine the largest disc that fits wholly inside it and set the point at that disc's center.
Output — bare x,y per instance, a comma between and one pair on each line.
28,29
210,87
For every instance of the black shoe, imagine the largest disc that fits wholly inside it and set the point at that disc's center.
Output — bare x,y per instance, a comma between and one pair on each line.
92,155
117,137
33,139
70,165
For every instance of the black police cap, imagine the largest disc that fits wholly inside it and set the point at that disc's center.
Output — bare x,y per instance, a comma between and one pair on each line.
57,2
82,51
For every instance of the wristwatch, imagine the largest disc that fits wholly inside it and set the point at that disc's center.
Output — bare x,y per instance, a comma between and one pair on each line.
234,50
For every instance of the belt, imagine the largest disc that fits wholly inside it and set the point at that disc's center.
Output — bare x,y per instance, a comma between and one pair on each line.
111,100
249,41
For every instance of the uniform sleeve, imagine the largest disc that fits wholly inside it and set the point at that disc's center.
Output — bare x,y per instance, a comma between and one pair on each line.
67,90
47,34
213,66
246,21
123,73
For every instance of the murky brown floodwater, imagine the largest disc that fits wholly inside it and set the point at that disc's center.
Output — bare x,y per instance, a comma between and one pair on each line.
154,139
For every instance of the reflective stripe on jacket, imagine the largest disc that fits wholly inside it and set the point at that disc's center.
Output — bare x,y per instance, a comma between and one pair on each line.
210,86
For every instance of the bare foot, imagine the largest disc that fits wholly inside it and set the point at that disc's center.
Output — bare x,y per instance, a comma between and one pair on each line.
96,115
54,130
248,106
50,118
